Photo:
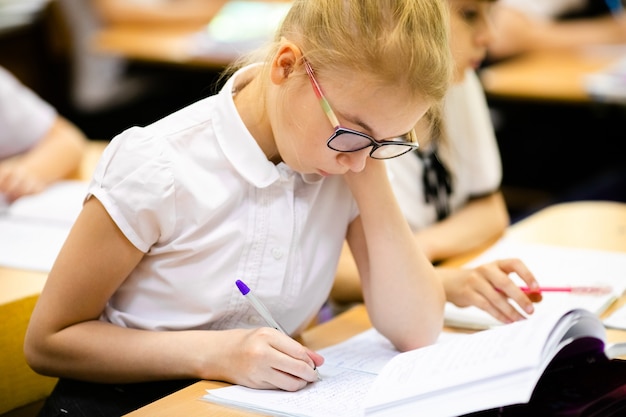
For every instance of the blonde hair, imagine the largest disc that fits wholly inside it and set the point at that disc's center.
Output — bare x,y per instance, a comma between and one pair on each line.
401,42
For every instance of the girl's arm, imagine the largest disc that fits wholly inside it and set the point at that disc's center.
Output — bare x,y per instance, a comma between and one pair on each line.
403,296
56,156
516,32
65,337
479,222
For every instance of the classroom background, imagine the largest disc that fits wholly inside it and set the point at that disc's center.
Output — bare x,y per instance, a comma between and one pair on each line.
560,140
553,148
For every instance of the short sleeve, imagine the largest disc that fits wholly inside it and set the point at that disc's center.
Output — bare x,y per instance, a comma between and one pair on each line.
134,182
24,117
475,155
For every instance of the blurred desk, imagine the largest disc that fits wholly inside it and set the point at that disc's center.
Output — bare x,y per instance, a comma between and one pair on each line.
600,225
190,44
554,75
171,44
90,159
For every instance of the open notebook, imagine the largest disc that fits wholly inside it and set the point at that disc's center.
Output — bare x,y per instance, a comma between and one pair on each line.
349,370
34,227
459,374
557,266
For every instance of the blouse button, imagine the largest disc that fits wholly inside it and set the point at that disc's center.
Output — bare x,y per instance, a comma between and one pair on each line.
277,253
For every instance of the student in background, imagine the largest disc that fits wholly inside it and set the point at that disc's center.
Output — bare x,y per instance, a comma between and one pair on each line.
449,188
37,145
262,182
109,93
530,25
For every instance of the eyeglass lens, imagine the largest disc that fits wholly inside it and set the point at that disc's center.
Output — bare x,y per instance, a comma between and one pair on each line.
345,141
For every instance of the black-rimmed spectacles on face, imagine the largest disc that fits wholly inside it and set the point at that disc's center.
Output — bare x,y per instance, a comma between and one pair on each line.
344,139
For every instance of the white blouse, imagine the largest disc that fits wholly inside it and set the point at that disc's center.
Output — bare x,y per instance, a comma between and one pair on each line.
471,154
196,193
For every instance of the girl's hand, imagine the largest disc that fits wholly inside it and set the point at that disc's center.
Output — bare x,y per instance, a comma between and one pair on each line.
265,358
365,182
489,288
16,182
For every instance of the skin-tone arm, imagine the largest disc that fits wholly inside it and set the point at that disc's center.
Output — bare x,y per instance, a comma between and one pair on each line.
56,156
403,296
66,339
481,221
515,32
166,12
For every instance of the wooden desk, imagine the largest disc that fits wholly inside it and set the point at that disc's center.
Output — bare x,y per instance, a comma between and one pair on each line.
170,45
582,224
554,75
159,43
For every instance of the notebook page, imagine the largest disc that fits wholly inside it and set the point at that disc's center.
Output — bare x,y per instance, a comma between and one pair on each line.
495,354
328,397
34,227
349,369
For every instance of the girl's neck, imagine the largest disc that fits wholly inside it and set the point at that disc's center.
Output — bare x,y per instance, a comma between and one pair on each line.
250,102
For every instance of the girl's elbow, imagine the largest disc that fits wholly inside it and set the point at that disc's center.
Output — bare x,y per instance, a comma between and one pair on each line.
36,355
427,336
416,343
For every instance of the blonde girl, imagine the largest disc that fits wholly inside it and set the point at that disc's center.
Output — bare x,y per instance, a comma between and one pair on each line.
261,182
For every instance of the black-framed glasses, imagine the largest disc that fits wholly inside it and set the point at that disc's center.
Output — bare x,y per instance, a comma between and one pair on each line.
344,139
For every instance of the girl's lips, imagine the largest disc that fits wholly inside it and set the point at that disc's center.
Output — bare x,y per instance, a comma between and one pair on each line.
478,61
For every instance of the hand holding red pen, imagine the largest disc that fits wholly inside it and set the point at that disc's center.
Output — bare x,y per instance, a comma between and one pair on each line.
535,293
490,288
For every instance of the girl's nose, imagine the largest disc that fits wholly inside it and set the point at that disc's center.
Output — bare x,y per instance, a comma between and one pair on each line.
485,34
354,161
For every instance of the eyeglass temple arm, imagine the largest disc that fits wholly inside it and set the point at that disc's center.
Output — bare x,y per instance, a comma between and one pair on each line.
322,99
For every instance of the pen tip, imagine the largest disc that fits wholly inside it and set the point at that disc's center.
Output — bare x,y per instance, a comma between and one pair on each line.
242,287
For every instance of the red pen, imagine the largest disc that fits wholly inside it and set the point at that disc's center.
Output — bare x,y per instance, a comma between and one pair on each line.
535,294
593,290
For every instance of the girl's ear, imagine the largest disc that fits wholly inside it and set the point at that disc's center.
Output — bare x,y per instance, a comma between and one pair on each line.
285,61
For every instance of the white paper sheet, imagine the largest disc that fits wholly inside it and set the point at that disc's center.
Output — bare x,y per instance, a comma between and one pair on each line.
34,228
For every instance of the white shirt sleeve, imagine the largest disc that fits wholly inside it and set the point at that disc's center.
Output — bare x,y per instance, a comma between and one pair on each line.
134,182
24,117
470,153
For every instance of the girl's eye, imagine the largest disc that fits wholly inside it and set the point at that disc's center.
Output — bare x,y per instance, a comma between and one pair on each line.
469,15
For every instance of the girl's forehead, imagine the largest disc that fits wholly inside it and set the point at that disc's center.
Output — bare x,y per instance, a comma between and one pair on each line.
381,110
